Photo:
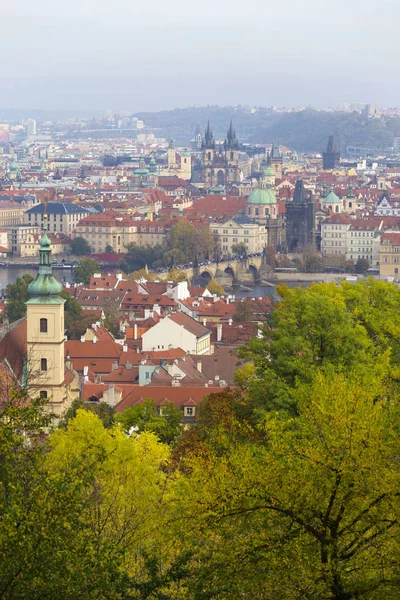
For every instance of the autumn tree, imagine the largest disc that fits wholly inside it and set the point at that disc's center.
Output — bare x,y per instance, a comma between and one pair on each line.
215,288
145,417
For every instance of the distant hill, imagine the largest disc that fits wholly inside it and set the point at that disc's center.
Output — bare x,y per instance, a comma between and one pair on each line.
304,131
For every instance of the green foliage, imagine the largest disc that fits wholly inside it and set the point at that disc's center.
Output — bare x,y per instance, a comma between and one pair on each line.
80,246
145,417
310,511
109,249
17,295
104,411
138,257
85,269
215,288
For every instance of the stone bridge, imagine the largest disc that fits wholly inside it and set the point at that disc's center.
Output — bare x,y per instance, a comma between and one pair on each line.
229,272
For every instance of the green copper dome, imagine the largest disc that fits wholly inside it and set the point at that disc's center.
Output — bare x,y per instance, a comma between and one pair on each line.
141,172
262,195
331,198
45,285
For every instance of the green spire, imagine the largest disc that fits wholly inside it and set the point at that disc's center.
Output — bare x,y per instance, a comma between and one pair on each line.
44,285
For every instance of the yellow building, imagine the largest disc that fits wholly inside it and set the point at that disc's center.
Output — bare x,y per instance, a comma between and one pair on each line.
389,255
46,371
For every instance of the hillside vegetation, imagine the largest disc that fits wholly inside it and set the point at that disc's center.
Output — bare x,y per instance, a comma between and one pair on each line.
304,131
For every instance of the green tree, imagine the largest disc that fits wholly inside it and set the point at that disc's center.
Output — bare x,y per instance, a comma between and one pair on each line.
109,249
104,411
362,265
239,249
312,513
85,269
215,288
323,327
145,417
138,257
17,294
80,246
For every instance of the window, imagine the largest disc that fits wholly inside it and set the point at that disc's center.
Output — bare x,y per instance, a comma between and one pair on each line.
43,394
43,325
43,364
189,411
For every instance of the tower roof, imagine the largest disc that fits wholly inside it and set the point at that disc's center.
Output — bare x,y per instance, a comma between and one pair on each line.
45,286
275,152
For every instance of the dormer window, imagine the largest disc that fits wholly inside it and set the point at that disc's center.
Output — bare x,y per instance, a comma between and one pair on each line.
189,411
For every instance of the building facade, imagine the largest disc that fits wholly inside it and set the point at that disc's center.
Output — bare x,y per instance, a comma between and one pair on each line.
389,261
63,217
240,230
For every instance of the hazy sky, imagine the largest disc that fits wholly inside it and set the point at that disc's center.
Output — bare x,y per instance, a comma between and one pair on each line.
156,54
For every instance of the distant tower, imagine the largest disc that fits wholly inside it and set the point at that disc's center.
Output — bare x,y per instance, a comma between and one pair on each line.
186,165
45,332
198,138
300,220
330,158
171,154
208,147
275,161
231,155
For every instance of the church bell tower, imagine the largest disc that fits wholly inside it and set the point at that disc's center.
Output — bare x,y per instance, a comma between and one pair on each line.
45,332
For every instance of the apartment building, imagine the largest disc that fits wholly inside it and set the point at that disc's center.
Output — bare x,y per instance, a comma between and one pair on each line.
389,262
334,235
63,217
240,230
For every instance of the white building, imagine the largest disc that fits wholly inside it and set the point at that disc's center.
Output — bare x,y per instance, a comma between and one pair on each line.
178,331
334,235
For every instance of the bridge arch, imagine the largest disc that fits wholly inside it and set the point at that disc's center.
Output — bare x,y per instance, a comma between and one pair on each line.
206,275
254,271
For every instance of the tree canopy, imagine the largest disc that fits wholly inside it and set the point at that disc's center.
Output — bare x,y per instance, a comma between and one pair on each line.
85,269
80,246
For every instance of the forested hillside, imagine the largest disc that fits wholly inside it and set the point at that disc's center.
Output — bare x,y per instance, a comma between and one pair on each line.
304,131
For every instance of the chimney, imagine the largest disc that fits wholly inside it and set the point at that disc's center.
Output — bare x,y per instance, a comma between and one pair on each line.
114,366
199,366
135,332
219,332
83,339
124,348
216,378
94,339
230,322
111,395
128,366
137,350
85,373
204,322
